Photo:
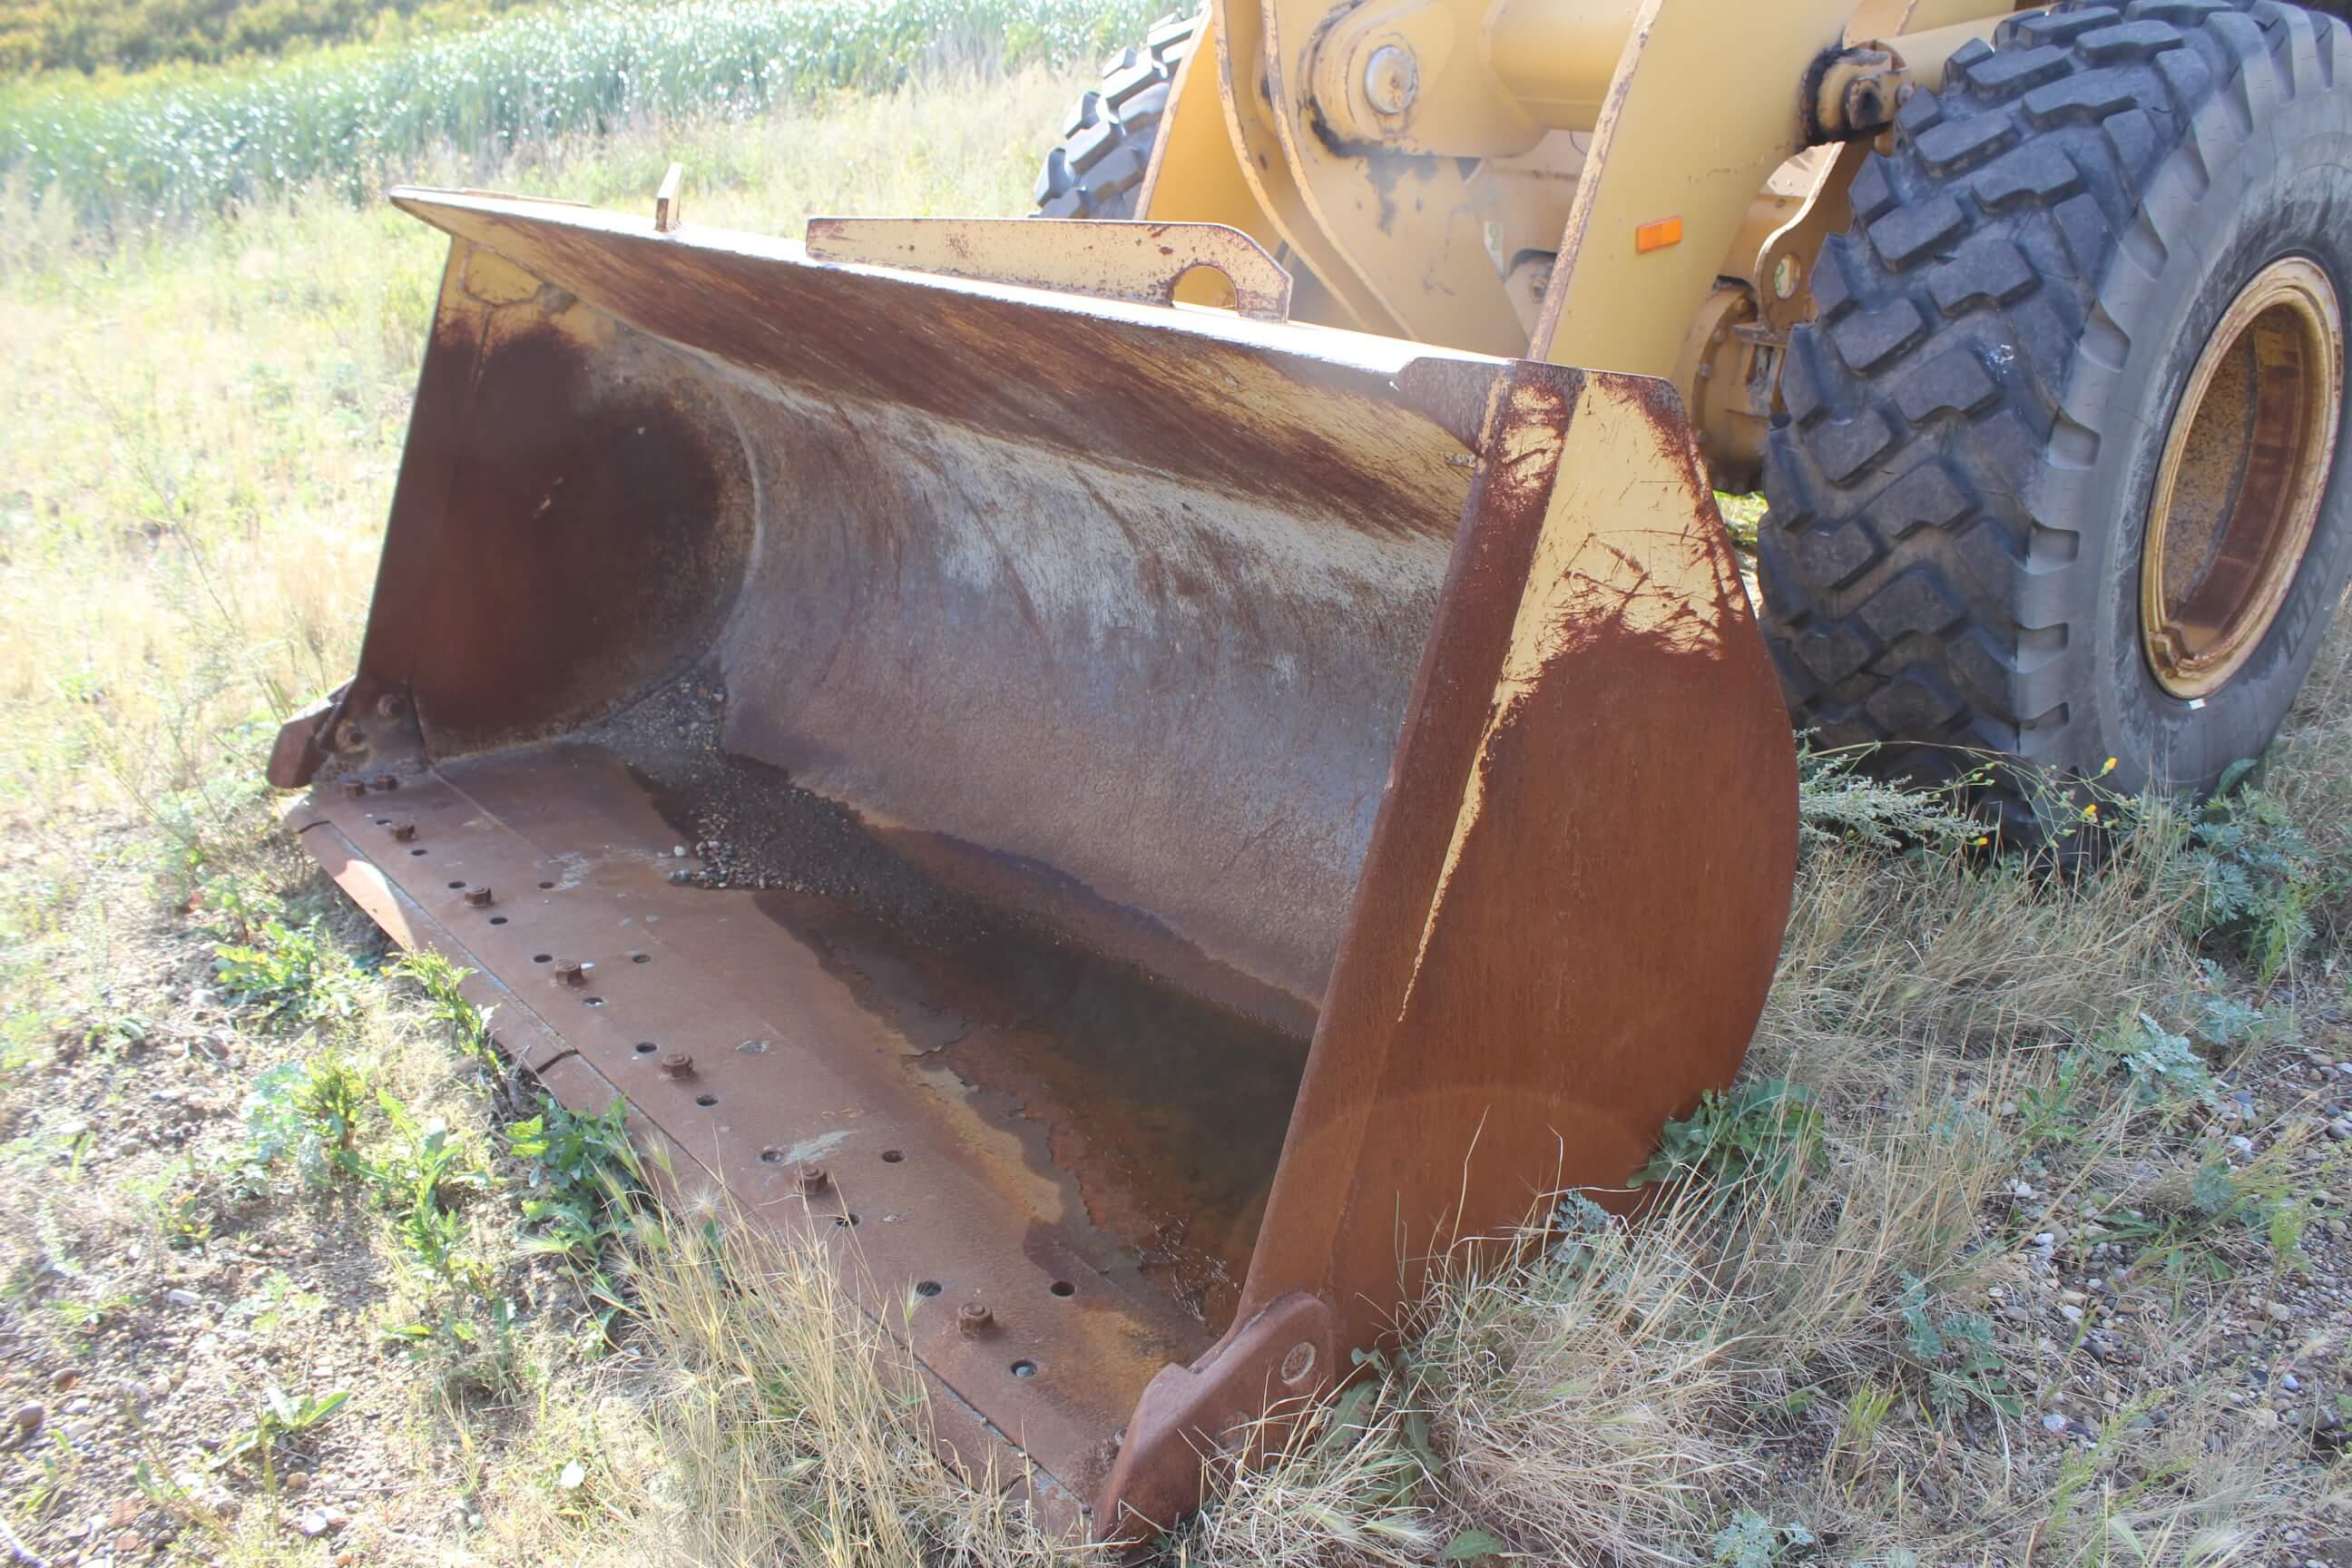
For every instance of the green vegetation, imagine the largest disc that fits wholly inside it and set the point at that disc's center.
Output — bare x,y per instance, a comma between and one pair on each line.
129,151
91,36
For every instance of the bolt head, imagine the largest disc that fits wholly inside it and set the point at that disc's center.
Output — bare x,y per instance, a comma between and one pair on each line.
479,898
355,787
971,1317
404,831
571,973
1392,79
391,705
385,782
677,1064
810,1180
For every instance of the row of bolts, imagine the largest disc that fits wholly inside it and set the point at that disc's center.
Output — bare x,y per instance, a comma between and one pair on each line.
971,1317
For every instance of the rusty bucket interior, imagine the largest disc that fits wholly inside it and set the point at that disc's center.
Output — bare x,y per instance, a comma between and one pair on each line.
1140,826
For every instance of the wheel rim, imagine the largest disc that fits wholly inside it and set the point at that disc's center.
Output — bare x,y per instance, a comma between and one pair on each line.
2245,465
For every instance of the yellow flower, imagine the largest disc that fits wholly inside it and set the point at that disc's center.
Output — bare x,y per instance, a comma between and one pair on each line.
2108,769
2092,809
1984,838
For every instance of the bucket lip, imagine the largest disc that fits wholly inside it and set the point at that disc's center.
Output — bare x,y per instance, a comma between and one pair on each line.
445,208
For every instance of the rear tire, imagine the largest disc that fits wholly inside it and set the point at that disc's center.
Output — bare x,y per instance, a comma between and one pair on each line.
1960,488
1107,141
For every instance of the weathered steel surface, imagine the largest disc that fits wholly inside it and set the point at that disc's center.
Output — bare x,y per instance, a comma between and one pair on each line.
1569,912
1070,707
1141,262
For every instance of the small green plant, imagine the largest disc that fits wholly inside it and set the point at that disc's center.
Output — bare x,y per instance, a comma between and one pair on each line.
1767,1131
2252,878
281,1415
1752,1540
587,1186
276,1302
308,1111
469,1026
2162,1066
1837,803
423,1183
1956,1352
290,970
471,1351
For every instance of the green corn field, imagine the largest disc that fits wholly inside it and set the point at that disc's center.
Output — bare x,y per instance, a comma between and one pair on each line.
138,151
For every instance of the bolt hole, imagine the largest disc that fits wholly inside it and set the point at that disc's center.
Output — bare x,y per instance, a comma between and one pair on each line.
592,1001
1024,1369
927,1288
416,852
545,884
1064,1288
892,1156
706,1099
771,1156
641,958
844,1221
453,886
497,920
543,958
646,1048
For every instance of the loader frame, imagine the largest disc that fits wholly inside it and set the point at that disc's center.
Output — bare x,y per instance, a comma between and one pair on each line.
1642,187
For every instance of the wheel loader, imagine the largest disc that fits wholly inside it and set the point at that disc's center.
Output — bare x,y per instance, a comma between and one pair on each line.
1154,774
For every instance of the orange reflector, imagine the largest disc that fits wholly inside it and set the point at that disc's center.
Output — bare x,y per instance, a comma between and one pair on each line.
1657,235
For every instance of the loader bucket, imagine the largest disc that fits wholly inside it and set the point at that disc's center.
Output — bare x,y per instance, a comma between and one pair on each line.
1140,828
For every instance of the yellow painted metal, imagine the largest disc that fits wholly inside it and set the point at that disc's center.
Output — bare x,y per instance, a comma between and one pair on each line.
1558,57
1238,28
1407,159
1410,231
1196,175
2245,464
1689,130
1141,262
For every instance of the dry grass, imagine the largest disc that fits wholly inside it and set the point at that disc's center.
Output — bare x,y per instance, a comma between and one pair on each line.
781,1425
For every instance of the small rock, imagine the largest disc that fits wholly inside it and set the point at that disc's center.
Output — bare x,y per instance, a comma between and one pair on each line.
65,1377
2340,1129
2291,1384
182,1298
2053,1421
2242,1145
127,1542
126,1514
297,1481
315,1523
2278,1311
678,851
2071,1312
30,1417
159,1387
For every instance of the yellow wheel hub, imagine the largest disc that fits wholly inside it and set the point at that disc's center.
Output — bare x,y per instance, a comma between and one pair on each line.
2245,465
